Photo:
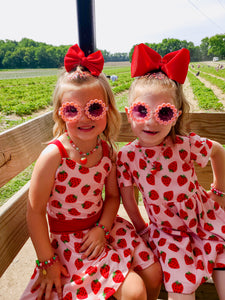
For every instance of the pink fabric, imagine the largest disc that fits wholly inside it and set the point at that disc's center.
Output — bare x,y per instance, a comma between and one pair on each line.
187,231
77,194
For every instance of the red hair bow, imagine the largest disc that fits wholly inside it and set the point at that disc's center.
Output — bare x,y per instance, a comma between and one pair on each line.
174,64
75,57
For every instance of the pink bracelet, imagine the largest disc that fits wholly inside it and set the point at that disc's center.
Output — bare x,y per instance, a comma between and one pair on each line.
47,263
217,192
107,233
143,231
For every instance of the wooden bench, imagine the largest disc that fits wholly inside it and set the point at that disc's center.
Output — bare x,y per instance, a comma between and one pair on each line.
20,146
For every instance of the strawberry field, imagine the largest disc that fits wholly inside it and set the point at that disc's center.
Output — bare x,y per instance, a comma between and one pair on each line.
24,94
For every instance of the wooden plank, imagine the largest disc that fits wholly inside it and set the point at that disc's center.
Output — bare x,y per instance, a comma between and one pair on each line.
13,227
20,146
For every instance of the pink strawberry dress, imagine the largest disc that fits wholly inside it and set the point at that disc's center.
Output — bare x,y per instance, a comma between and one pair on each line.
187,229
77,195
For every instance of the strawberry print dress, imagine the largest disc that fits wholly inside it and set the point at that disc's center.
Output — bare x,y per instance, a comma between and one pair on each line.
187,229
77,194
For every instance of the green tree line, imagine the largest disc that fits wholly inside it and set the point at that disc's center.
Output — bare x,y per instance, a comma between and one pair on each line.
30,54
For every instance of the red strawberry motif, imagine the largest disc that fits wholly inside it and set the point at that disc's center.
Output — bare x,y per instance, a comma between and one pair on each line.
77,279
97,192
98,177
153,195
60,189
163,256
70,163
95,286
74,182
71,198
203,151
149,153
177,287
181,197
56,204
79,263
122,243
67,254
166,276
115,257
211,215
156,209
126,174
118,276
181,180
65,238
135,243
208,227
220,248
179,140
173,247
55,244
191,277
193,156
91,270
127,252
144,255
172,166
210,266
62,176
168,196
166,180
121,231
189,204
60,216
183,154
85,189
200,265
207,248
142,164
183,214
192,222
82,293
68,296
156,234
131,155
197,251
209,143
168,153
77,247
73,212
106,167
162,242
188,260
173,263
104,270
136,174
108,291
198,144
150,179
191,187
83,170
87,204
169,213
186,167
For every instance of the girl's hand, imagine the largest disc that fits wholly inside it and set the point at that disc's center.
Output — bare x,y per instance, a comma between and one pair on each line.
93,243
45,283
218,199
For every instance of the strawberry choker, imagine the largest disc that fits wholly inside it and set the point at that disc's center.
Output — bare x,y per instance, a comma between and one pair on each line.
83,159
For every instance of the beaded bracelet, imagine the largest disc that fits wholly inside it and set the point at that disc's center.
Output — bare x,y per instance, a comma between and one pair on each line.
217,192
143,231
104,228
47,263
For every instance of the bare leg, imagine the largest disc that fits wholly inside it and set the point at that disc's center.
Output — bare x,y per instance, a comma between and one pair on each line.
152,277
133,288
175,296
219,280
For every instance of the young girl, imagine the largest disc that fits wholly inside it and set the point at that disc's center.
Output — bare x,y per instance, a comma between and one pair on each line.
186,230
90,254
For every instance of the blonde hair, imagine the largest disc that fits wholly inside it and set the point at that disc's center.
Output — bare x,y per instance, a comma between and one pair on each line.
83,79
160,81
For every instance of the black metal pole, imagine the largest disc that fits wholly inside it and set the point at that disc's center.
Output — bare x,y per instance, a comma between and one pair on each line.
86,25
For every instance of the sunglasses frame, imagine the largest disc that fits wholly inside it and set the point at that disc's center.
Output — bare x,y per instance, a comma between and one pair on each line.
155,113
85,109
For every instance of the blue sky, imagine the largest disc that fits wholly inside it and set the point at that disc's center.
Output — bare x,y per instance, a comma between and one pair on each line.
119,23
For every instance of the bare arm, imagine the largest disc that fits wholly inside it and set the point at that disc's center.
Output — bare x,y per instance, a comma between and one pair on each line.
218,166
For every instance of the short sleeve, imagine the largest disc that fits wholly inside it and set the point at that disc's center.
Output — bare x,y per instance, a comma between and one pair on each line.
200,149
124,176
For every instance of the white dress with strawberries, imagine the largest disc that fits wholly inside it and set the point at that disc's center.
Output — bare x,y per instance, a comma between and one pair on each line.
187,228
77,194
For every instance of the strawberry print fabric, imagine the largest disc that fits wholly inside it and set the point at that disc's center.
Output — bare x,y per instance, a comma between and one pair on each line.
187,231
77,193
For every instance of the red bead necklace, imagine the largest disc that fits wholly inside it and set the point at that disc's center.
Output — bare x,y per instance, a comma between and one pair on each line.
83,159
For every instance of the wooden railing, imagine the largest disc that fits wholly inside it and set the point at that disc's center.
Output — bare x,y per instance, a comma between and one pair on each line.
20,146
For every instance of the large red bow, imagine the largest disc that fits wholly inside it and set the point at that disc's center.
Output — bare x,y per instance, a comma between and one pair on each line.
174,64
75,57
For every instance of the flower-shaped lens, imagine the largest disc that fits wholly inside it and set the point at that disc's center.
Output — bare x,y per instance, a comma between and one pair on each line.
140,112
166,113
69,111
95,109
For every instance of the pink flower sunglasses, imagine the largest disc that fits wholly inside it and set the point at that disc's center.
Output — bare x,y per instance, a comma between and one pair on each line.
164,114
94,110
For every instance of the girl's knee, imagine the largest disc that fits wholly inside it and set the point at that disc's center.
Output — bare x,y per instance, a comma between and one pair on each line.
133,288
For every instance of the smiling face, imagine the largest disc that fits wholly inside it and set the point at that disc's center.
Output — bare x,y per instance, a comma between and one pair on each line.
84,128
151,132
